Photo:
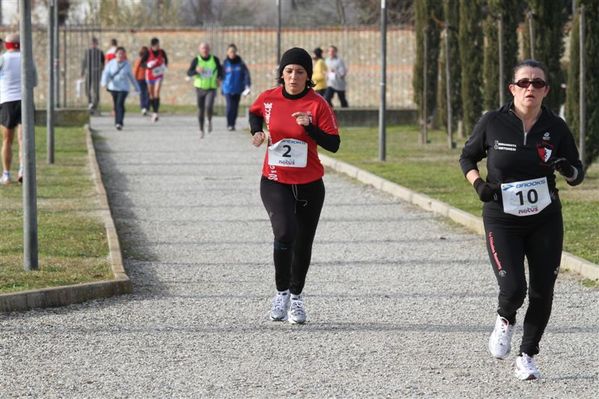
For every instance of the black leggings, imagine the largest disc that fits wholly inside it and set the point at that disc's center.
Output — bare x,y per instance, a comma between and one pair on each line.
540,239
330,92
205,104
294,210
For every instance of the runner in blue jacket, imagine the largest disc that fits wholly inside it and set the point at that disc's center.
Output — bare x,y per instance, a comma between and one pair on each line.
236,81
117,77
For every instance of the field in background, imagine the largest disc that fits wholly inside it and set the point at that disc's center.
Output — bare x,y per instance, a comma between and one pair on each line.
434,170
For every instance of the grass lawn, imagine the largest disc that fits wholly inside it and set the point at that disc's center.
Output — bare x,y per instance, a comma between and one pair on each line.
132,108
433,169
72,239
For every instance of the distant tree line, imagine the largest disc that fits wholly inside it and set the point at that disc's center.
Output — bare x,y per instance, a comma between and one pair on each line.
530,29
113,13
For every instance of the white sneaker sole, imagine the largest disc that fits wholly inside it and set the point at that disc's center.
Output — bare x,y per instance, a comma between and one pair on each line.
284,318
523,376
294,321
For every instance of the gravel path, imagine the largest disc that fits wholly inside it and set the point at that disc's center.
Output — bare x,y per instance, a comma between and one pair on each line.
400,304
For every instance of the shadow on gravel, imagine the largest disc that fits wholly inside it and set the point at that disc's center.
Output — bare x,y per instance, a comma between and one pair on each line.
573,378
265,325
132,239
236,243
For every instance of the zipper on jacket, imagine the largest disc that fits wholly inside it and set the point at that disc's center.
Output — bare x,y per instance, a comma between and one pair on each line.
523,126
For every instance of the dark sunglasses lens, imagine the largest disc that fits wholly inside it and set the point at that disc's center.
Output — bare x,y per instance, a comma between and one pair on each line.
537,84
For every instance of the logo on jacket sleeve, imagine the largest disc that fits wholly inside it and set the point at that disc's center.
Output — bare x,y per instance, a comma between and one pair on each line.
544,150
267,111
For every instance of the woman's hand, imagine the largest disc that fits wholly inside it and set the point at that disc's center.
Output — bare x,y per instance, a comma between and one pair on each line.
564,167
301,118
486,191
258,138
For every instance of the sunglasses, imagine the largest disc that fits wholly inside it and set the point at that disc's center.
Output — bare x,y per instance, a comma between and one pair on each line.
536,83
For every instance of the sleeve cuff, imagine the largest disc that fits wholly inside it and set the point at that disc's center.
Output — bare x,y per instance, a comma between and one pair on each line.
574,175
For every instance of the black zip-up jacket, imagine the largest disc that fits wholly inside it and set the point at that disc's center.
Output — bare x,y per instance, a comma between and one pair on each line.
513,155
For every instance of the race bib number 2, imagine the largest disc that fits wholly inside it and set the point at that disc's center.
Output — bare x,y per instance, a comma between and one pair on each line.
288,152
525,198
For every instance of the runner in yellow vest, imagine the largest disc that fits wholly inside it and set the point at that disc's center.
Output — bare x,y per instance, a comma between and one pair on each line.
206,71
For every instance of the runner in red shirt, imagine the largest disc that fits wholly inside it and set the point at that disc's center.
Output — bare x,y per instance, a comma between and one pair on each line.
155,61
297,120
111,52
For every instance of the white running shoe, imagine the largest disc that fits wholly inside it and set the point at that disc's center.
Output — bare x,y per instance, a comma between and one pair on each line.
297,310
118,126
500,341
280,304
526,369
5,179
20,175
144,111
202,134
155,117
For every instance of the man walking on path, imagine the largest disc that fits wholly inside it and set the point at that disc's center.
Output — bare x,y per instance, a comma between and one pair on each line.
10,104
336,72
207,73
91,70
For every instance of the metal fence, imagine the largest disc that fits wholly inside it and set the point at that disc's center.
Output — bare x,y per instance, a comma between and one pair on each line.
359,47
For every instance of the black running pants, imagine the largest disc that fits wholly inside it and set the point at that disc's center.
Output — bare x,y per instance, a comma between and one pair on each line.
205,104
294,210
539,238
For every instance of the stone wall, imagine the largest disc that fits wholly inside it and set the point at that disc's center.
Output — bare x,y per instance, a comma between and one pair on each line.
359,47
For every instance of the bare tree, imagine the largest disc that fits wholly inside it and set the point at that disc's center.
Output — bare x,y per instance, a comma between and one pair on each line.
341,11
116,13
399,11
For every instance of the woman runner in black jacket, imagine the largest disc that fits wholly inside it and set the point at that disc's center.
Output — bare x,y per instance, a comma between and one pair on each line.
524,143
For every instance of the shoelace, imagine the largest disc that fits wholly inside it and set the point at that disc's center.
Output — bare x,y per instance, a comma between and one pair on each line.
297,306
279,302
505,330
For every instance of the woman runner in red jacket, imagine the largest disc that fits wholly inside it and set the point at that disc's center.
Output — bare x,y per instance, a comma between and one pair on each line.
297,120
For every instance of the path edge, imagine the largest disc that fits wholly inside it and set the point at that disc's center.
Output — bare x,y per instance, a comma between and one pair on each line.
77,293
568,262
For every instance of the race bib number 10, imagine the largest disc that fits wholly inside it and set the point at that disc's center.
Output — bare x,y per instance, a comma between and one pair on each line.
288,152
525,198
